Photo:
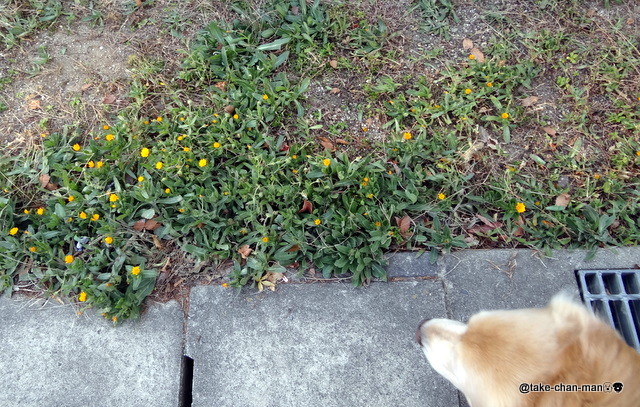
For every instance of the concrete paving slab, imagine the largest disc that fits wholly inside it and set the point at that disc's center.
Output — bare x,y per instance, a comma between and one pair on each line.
507,279
315,345
412,264
51,357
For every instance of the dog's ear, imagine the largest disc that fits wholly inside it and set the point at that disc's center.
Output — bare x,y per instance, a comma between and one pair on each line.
569,316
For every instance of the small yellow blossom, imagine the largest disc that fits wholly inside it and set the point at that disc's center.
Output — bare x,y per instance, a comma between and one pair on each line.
108,240
82,297
378,224
294,156
159,165
489,84
113,197
317,221
216,145
369,196
109,137
407,135
144,152
40,211
82,215
26,211
202,163
638,153
68,259
181,210
235,116
159,119
180,138
186,149
167,190
326,162
33,249
114,319
265,239
467,91
71,198
265,97
140,178
91,164
99,164
597,176
135,270
294,171
472,57
76,147
225,285
14,231
105,127
95,217
505,115
365,179
520,207
225,193
441,196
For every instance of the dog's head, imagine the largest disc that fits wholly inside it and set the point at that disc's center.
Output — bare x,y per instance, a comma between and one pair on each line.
488,357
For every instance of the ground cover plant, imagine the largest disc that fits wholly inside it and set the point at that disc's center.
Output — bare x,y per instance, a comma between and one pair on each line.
227,158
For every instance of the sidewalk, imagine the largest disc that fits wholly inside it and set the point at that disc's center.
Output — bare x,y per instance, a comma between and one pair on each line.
303,345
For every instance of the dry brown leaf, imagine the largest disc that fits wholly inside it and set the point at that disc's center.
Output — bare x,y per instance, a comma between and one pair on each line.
333,63
307,207
550,130
138,3
229,109
44,179
563,200
222,85
467,43
245,250
404,224
334,91
478,55
109,99
85,87
341,141
139,225
327,145
529,101
293,248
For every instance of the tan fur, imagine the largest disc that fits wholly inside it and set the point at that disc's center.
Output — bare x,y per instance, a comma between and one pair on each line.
562,343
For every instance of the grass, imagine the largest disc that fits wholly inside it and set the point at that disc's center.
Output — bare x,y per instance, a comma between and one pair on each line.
223,160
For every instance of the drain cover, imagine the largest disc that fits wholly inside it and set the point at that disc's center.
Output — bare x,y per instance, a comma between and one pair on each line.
615,296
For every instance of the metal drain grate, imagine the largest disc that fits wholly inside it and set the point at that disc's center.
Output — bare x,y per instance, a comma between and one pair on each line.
615,296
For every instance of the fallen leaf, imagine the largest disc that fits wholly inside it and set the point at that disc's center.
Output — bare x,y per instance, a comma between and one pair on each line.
467,43
229,109
341,141
333,63
46,184
139,225
529,101
334,91
138,3
549,130
109,99
630,21
151,224
222,85
327,145
479,56
245,250
563,200
492,223
591,12
158,244
85,87
293,248
306,207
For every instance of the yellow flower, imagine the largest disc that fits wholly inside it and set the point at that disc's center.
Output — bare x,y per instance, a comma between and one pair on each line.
326,162
294,171
71,198
91,164
167,190
407,135
40,211
114,319
145,122
186,149
225,193
505,115
144,152
180,138
489,84
441,196
159,119
113,197
159,165
520,207
378,224
369,196
365,179
471,56
467,91
202,163
33,249
109,137
638,153
294,156
235,116
108,240
265,97
26,211
99,164
82,297
76,147
105,127
14,231
364,184
265,239
216,145
181,210
68,259
135,270
95,217
140,178
182,119
317,221
82,215
597,176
